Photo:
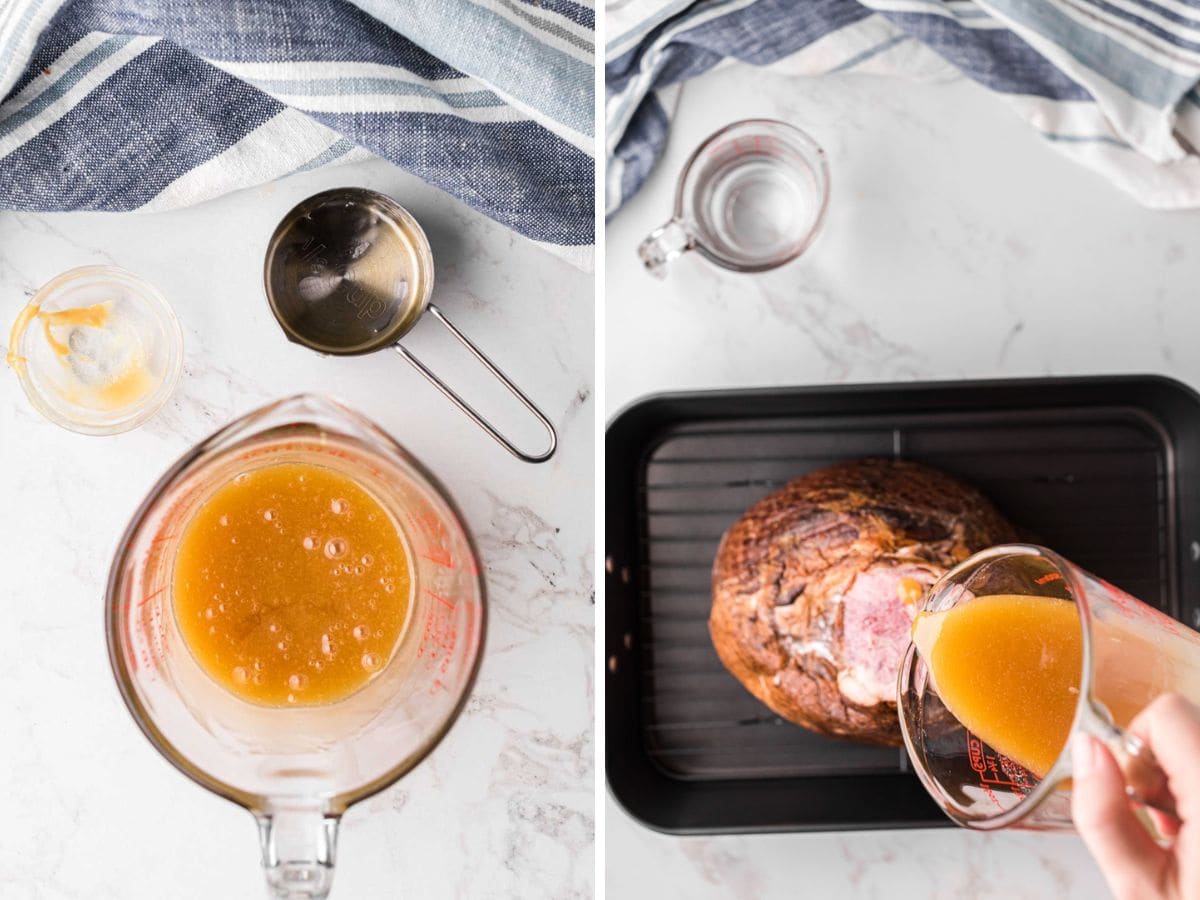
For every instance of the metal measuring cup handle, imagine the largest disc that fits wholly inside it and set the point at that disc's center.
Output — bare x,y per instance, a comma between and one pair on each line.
469,410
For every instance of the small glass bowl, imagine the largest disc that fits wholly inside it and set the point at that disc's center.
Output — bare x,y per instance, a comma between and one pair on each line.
54,382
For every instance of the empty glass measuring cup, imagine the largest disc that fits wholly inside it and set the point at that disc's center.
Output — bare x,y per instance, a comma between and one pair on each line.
1015,650
297,768
350,271
751,198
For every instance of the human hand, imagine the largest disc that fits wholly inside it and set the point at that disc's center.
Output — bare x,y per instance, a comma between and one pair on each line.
1134,865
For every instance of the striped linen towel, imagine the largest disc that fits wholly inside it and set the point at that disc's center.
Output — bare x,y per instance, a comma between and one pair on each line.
157,104
1111,83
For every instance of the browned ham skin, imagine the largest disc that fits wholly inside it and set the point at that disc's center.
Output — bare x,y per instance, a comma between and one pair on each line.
813,587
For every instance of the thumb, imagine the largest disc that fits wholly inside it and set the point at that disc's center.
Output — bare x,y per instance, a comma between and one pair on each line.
1131,861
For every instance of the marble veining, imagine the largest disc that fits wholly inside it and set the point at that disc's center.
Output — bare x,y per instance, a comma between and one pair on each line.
957,245
504,806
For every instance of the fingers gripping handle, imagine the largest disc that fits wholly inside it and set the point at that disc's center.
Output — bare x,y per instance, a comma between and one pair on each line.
1145,781
469,410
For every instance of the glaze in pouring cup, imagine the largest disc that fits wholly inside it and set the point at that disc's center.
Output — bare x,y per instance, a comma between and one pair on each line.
1131,653
297,769
350,271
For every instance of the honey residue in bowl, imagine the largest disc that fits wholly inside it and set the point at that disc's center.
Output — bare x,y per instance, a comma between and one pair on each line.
103,367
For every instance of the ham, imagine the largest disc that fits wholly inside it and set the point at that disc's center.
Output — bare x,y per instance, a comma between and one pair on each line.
815,587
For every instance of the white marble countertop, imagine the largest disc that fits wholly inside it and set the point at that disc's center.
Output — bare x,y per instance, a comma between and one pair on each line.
504,806
958,245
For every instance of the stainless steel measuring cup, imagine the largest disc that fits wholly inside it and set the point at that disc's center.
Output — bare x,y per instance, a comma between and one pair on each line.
350,271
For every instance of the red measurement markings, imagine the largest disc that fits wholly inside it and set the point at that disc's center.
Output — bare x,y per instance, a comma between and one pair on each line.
148,622
1132,608
440,599
1046,579
438,641
150,597
996,769
975,753
439,555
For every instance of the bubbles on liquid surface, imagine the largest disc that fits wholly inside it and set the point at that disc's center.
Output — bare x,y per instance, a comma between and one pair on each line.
335,548
258,665
360,632
309,542
209,612
326,645
242,478
281,646
358,570
223,521
240,675
297,682
371,661
268,515
273,628
339,506
367,559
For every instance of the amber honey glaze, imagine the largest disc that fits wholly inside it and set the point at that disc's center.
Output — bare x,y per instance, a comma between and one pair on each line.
292,585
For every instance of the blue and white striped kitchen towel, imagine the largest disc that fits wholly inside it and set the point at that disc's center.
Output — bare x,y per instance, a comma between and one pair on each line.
155,104
1111,83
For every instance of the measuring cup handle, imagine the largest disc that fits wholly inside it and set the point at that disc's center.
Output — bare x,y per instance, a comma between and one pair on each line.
299,846
469,410
1145,781
664,244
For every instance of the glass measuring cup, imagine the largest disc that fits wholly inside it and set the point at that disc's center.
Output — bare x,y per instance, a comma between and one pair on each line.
350,271
1131,653
752,197
297,769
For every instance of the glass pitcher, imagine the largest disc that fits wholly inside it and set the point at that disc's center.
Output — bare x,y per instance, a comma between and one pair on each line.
297,769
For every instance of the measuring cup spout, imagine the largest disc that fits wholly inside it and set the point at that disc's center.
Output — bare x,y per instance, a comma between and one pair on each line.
663,245
299,845
469,410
